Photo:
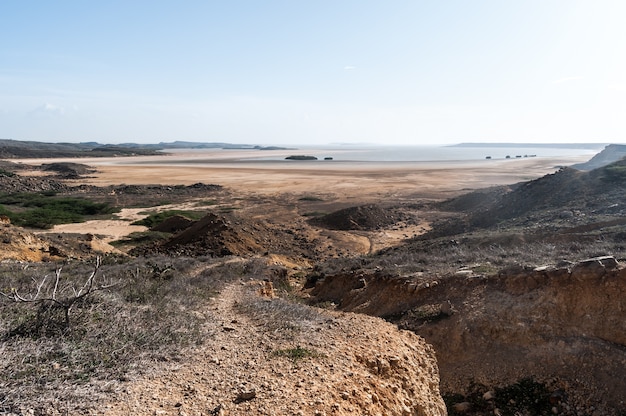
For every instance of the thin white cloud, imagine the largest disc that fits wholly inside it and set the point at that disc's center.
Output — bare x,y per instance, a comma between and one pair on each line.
349,68
48,109
566,79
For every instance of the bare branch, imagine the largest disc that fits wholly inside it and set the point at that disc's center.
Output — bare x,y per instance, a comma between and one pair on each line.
56,283
54,294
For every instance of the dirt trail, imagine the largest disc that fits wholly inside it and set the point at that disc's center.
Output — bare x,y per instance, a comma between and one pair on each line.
242,370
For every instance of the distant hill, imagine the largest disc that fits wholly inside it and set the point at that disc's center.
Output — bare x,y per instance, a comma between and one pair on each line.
16,149
610,154
187,145
601,191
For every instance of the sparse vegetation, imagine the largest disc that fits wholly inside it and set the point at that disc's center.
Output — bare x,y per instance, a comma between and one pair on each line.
113,329
227,209
482,252
526,397
279,314
296,354
206,203
4,172
615,172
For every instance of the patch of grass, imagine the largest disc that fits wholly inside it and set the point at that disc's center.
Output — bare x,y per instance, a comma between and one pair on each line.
484,268
227,209
296,354
155,218
206,203
279,314
9,174
44,210
615,173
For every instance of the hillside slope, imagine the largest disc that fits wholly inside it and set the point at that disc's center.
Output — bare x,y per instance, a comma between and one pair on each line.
569,194
611,153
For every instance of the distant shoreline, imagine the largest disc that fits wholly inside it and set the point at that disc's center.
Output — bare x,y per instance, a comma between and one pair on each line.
589,146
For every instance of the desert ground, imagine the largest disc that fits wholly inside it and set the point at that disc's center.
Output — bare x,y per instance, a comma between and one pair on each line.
343,183
284,222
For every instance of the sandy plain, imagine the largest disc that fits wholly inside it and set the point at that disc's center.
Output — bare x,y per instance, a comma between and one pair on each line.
275,188
240,171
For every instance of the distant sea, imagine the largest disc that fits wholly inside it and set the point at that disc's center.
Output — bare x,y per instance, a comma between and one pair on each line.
436,153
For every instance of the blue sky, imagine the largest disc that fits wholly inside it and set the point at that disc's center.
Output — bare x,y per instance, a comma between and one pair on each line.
313,72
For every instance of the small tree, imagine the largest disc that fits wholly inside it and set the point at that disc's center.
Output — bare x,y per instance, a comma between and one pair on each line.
51,296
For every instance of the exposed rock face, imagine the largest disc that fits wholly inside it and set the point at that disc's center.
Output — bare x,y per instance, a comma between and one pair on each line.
567,322
21,245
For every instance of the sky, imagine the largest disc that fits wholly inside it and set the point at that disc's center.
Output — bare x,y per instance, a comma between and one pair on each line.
313,72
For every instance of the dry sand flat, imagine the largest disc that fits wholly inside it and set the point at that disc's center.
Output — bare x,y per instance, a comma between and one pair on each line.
357,179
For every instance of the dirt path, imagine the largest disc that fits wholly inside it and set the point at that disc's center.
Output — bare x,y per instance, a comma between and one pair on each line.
266,356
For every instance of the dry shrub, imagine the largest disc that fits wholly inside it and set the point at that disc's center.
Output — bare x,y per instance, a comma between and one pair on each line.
278,314
151,316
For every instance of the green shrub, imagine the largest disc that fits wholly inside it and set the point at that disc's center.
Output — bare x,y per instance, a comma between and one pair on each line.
155,218
44,210
615,173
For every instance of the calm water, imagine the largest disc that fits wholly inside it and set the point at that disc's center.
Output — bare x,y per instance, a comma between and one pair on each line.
431,153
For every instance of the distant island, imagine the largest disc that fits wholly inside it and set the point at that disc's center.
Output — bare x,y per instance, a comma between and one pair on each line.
300,157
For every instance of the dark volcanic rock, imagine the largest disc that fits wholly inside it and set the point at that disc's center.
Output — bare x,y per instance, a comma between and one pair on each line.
212,235
173,224
13,184
68,170
300,157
